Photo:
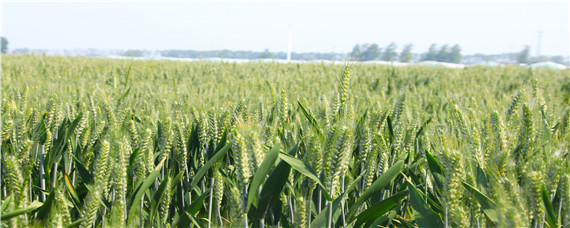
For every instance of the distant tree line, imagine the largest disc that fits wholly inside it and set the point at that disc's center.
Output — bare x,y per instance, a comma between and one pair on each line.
443,54
134,53
266,54
364,52
367,52
360,52
525,58
522,57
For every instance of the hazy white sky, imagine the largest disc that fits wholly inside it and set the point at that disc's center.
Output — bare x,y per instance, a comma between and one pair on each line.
479,27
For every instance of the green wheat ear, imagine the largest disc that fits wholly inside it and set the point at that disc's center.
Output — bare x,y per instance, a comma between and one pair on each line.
255,151
133,134
300,212
328,150
218,193
24,100
513,105
565,187
14,177
121,158
146,155
340,158
399,107
91,207
97,133
498,131
213,130
364,146
165,205
343,90
314,157
242,158
6,129
283,107
61,212
371,165
526,132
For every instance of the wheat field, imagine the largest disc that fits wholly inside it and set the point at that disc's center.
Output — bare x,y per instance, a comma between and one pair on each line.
91,142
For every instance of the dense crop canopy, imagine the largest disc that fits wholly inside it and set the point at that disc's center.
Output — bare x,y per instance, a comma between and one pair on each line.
87,142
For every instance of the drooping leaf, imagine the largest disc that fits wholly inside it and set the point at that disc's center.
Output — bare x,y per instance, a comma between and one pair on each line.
6,202
197,223
197,204
310,118
384,221
86,177
71,189
424,216
132,160
33,206
44,210
134,201
488,205
423,127
177,179
377,185
202,171
76,223
321,219
301,167
390,129
273,185
435,169
378,210
261,173
158,196
551,218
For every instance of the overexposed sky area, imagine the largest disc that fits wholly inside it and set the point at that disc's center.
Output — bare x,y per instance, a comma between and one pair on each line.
487,27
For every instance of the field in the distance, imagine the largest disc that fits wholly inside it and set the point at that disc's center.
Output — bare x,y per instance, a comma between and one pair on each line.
87,142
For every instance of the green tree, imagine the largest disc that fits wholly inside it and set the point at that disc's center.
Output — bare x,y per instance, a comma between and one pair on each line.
370,52
406,55
431,54
455,54
443,54
133,53
390,53
558,59
524,55
4,45
356,51
266,54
